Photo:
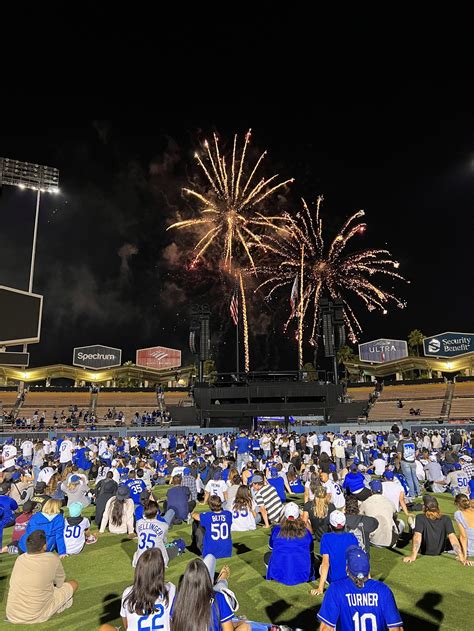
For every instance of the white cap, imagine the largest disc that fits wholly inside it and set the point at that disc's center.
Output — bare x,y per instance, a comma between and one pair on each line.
114,462
337,519
291,511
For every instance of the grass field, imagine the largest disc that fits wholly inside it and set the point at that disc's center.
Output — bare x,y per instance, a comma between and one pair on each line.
433,593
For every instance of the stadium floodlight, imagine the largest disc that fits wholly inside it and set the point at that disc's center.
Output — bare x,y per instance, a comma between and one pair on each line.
37,177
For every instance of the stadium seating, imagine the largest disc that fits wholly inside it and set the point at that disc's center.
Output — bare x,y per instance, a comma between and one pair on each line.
360,394
388,410
413,392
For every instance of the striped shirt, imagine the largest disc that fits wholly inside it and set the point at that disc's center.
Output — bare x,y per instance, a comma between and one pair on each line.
190,482
267,496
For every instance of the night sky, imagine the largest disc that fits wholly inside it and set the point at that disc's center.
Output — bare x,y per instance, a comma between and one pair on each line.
401,149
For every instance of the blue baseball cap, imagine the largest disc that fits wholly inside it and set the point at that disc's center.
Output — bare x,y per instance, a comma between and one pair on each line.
332,467
357,561
74,478
389,475
186,470
356,461
457,466
16,475
376,486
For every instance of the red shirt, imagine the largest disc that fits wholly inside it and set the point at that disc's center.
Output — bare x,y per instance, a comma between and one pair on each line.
19,529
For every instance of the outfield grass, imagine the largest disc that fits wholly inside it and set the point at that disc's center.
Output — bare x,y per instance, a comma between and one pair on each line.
433,593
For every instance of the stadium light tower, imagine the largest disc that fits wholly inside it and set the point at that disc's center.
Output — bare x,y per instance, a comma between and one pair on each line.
36,177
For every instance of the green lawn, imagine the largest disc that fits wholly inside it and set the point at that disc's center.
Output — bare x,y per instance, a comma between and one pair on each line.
433,593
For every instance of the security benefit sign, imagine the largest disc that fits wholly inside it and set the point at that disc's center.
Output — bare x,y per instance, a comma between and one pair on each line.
158,357
383,350
449,344
97,357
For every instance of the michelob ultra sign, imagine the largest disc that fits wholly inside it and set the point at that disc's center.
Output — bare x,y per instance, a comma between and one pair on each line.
383,350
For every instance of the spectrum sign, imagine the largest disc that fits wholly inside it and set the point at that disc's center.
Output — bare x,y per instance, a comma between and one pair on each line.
97,357
158,357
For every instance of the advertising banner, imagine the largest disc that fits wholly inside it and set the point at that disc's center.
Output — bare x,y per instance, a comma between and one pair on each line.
158,357
383,350
97,357
448,344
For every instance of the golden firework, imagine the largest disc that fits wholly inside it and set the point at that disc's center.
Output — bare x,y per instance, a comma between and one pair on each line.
228,214
298,251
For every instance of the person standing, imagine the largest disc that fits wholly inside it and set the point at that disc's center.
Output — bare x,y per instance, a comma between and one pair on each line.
357,601
407,449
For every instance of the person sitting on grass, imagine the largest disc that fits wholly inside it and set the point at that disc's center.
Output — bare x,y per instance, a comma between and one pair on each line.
118,513
51,521
244,511
357,601
212,530
147,603
38,588
199,605
267,500
19,529
179,499
152,532
77,529
432,532
316,512
464,517
333,550
291,560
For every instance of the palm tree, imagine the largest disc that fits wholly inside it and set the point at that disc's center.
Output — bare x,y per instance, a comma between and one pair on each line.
345,355
310,371
415,340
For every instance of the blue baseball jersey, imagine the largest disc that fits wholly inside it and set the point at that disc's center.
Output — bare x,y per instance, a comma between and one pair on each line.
242,445
335,545
370,608
136,487
217,538
471,489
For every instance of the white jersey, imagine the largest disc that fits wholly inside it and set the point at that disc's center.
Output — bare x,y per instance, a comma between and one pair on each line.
159,619
216,487
325,447
46,474
74,535
9,453
151,534
27,449
103,447
337,496
65,451
458,482
177,471
47,447
243,520
379,464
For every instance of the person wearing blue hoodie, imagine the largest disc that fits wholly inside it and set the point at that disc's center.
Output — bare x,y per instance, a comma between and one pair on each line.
51,521
354,484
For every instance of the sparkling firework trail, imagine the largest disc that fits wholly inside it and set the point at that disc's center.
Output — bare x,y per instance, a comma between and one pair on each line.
297,246
229,210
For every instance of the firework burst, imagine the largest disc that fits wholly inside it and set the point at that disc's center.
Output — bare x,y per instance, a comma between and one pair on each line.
299,256
228,216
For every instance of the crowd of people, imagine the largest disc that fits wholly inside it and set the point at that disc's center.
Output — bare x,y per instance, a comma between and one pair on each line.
325,500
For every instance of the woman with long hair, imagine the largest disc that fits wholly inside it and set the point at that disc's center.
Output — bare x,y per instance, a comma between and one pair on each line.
294,481
118,513
53,488
311,487
464,517
316,512
147,603
244,511
232,488
51,521
290,561
198,607
432,532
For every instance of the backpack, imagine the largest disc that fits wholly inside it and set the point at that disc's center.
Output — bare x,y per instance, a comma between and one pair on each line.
358,533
